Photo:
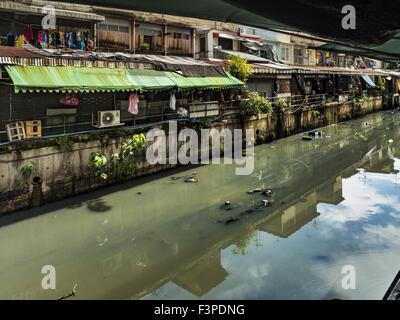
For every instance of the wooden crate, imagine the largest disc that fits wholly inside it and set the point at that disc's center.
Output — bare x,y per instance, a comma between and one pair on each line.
16,131
33,129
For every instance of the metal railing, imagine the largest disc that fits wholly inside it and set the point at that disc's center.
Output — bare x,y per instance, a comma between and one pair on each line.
74,124
153,113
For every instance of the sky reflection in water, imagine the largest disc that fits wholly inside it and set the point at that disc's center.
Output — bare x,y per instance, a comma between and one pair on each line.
363,230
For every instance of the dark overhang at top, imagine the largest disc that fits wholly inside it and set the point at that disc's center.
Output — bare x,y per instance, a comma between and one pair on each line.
376,20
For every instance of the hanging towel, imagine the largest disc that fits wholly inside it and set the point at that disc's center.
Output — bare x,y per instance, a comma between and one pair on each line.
172,101
20,41
133,104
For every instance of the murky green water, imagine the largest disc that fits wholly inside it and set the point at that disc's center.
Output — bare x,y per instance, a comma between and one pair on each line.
336,203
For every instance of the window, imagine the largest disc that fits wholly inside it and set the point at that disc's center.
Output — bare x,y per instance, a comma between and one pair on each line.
225,44
298,54
285,53
123,29
203,44
114,35
180,35
103,26
113,28
148,39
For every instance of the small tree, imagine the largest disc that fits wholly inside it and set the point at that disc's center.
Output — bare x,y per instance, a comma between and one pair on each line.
239,68
255,105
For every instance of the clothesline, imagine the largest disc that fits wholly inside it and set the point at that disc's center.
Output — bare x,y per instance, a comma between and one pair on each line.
45,39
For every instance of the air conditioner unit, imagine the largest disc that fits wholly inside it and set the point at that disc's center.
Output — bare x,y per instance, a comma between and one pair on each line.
107,119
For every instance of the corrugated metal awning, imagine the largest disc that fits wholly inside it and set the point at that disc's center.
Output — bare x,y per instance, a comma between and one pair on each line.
249,57
69,79
203,82
83,79
60,13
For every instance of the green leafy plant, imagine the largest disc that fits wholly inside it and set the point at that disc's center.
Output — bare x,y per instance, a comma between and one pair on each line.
381,84
123,163
255,105
145,46
129,146
386,99
315,114
98,160
282,105
29,169
358,102
205,123
64,143
239,68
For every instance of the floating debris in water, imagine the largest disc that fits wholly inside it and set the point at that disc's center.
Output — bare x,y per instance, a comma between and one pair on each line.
258,190
306,138
267,203
191,180
226,206
268,193
315,133
69,295
139,193
391,141
264,191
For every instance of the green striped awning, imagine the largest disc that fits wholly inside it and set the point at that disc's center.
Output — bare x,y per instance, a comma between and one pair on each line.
70,79
83,79
150,79
203,82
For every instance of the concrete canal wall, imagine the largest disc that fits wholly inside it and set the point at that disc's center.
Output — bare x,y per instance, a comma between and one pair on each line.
271,127
63,173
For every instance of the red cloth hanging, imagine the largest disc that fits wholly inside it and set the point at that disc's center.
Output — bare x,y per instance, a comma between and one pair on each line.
70,100
28,33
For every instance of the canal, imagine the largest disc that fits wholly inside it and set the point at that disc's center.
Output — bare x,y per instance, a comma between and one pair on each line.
336,204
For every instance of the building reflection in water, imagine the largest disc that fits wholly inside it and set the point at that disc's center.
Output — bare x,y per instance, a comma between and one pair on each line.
126,252
209,273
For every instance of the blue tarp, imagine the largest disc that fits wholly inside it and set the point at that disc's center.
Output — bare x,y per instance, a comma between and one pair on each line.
368,80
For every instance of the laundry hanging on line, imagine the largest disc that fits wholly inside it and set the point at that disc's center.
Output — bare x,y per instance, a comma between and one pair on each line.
133,104
172,102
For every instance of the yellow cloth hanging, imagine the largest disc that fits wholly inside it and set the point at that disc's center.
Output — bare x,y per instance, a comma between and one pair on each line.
20,41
